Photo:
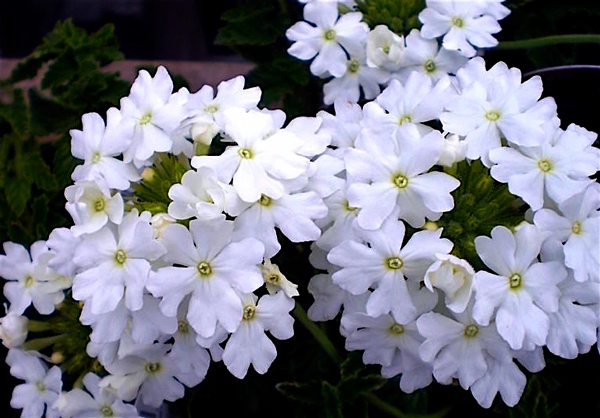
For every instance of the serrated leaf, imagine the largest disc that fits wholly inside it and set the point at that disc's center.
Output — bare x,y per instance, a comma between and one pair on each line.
352,366
351,389
16,114
29,66
61,70
37,171
48,115
332,405
309,393
251,24
40,215
17,192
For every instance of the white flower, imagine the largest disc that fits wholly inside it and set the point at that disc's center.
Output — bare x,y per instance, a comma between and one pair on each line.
461,23
98,146
345,126
199,195
91,207
155,112
381,260
30,279
249,343
276,281
501,377
214,267
326,39
455,151
41,387
13,330
63,244
555,169
391,175
454,277
523,292
261,160
96,402
384,49
116,264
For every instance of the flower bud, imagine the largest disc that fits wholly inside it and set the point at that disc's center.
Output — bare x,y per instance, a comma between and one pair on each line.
13,330
454,151
454,277
384,49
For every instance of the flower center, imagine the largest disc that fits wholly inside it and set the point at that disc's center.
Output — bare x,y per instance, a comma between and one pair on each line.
404,119
394,263
576,228
96,157
99,205
28,282
386,49
347,207
249,312
40,386
107,411
458,22
183,326
146,118
211,109
245,153
265,200
152,368
204,269
429,66
545,166
272,279
492,115
396,329
120,257
515,281
471,331
400,181
353,66
329,35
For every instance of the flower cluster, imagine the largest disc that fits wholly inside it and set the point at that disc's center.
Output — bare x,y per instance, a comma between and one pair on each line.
160,290
429,249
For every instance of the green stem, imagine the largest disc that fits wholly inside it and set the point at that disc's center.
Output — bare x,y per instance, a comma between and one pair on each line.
41,343
37,326
316,332
332,352
550,40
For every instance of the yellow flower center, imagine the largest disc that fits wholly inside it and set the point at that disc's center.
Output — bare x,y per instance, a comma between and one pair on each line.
515,281
471,331
545,166
152,368
394,263
429,66
458,22
120,257
99,205
353,66
400,181
204,269
576,228
329,35
265,200
249,312
146,118
396,329
246,153
492,115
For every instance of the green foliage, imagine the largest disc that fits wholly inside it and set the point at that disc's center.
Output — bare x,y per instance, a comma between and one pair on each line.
34,142
399,16
152,192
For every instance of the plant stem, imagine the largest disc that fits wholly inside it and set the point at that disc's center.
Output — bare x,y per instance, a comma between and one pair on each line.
41,343
332,352
317,333
550,40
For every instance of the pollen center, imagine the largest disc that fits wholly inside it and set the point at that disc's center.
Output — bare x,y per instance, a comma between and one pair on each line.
96,157
347,207
576,228
429,66
183,326
265,200
204,269
458,22
99,205
400,181
404,119
329,35
353,66
146,118
492,115
211,109
394,263
28,282
515,281
471,331
544,165
396,329
273,279
249,312
245,153
40,386
120,257
107,411
152,368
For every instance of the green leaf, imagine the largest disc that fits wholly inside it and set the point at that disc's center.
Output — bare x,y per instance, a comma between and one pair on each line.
63,69
29,67
252,24
352,366
37,171
49,116
16,114
309,393
353,388
332,404
535,403
40,215
17,192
